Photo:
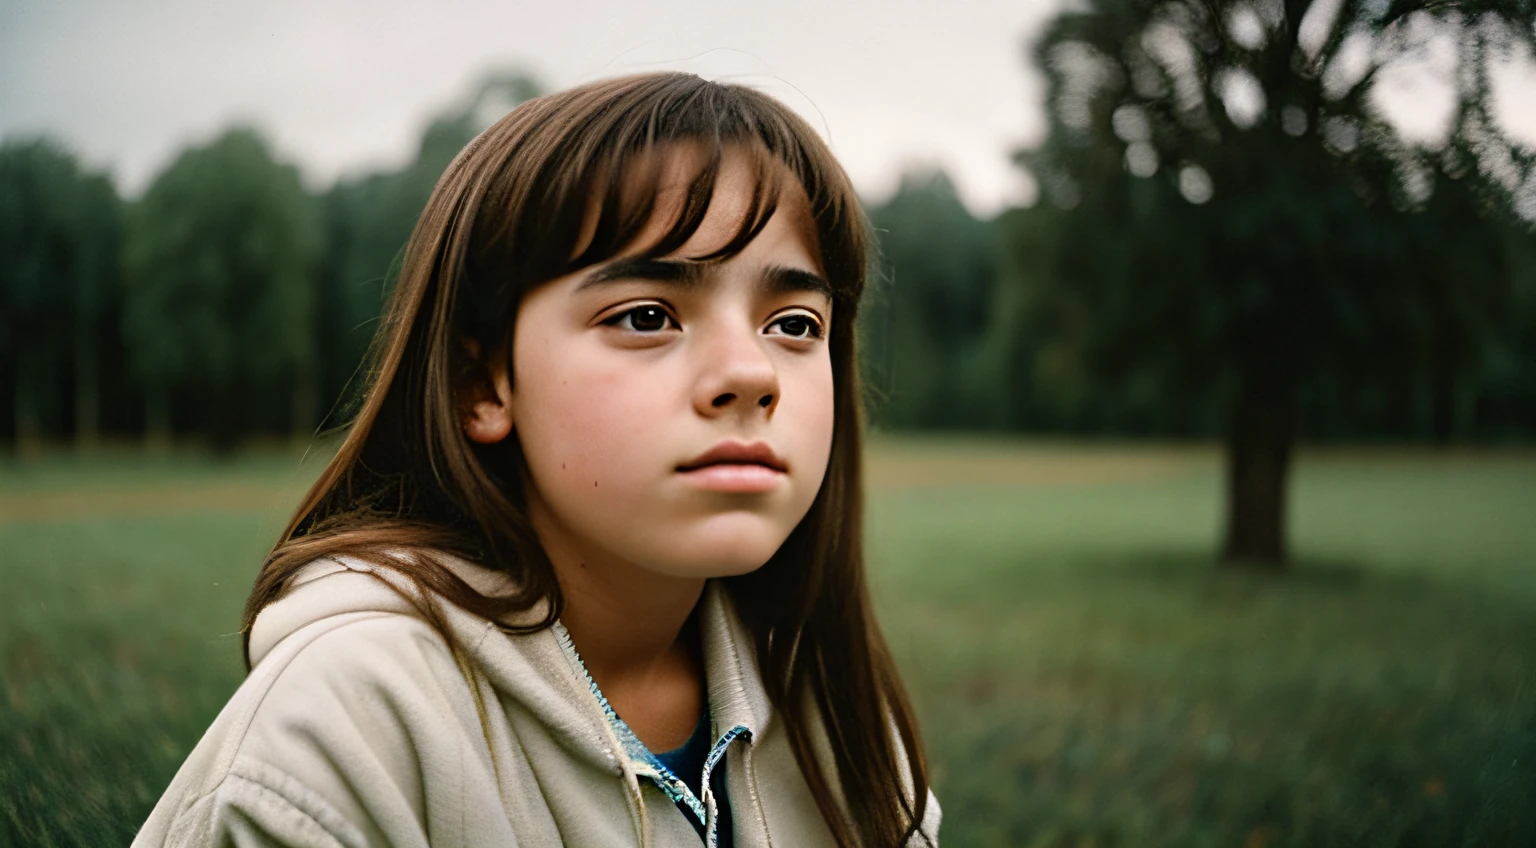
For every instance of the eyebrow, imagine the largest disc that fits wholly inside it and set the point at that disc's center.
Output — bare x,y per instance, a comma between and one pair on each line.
776,279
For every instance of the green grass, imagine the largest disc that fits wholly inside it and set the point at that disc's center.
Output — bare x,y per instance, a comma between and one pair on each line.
118,635
1085,674
1087,677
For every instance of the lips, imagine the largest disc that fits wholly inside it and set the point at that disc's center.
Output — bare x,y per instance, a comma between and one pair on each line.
737,453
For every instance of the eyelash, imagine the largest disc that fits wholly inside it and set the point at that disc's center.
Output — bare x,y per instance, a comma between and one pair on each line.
815,329
618,320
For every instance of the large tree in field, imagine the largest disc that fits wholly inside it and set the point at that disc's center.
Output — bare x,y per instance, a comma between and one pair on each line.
59,238
220,260
1228,213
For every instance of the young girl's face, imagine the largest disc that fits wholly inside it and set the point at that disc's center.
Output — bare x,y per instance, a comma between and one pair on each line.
676,416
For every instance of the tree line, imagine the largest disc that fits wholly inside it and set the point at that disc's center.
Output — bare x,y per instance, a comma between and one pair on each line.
226,302
1231,242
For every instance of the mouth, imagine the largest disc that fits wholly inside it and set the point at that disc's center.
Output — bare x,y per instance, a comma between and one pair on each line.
736,467
733,453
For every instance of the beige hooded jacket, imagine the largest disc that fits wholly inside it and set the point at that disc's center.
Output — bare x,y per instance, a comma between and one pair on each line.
357,727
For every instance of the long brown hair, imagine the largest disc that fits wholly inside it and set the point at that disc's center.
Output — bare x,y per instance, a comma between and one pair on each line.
507,215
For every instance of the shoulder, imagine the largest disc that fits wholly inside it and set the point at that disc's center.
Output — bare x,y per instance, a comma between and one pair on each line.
345,667
356,682
373,696
928,832
330,735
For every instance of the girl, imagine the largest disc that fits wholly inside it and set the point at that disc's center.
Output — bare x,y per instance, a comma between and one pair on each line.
614,423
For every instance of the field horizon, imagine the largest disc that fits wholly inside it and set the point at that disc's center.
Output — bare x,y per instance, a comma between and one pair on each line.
1085,674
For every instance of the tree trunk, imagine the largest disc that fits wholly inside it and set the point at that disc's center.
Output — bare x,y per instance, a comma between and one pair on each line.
1465,427
26,420
87,387
1442,410
1260,437
157,419
226,419
304,402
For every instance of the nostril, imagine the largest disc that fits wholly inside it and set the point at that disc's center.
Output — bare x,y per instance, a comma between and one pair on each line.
724,399
765,401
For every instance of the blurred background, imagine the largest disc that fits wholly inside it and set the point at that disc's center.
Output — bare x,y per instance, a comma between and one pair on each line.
1202,376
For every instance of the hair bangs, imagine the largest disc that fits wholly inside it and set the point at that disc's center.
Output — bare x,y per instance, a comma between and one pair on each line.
616,162
628,207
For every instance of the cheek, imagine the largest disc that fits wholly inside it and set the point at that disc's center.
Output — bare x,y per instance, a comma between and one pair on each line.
578,417
826,418
811,412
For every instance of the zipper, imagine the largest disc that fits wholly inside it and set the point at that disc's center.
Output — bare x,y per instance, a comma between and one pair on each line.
609,734
717,753
757,804
711,838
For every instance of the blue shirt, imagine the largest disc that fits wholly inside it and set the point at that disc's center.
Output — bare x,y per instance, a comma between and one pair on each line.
687,762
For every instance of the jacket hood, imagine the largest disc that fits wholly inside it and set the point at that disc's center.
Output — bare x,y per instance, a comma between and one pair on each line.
338,585
533,670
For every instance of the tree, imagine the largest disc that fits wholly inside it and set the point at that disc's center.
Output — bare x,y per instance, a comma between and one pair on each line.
1507,409
96,293
369,219
59,232
220,263
1228,214
926,319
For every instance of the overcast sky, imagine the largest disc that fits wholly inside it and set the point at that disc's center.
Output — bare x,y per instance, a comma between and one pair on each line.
343,86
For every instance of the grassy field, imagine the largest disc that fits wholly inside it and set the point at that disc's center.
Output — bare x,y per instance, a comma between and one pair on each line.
1085,675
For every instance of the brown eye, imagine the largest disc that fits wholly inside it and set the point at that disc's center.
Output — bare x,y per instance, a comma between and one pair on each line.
798,327
642,319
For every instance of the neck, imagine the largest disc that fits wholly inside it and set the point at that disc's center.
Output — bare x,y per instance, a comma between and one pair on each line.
627,621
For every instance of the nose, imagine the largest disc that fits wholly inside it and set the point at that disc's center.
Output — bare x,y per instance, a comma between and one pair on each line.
736,376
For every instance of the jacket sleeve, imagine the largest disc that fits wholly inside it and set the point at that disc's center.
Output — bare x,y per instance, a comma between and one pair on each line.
347,737
262,810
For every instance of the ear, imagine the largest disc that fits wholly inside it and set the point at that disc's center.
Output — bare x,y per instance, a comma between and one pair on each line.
487,411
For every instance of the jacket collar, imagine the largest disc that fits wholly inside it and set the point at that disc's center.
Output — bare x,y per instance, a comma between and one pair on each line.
738,702
736,692
532,668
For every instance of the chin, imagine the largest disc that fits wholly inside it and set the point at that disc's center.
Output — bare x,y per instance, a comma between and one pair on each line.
721,549
711,568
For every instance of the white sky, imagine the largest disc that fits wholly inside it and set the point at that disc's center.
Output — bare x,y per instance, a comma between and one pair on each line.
343,86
